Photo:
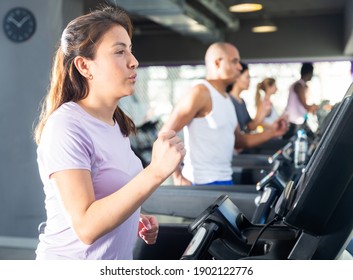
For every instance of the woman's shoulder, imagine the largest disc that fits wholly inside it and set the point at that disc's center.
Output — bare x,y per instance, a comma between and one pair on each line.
68,108
68,112
238,102
66,118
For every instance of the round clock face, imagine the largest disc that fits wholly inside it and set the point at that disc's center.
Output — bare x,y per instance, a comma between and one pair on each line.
19,24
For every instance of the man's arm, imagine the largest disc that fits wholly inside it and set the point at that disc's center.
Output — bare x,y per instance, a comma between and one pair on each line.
246,141
196,103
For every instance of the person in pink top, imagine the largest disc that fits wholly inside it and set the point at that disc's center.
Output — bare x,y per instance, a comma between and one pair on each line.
297,105
94,184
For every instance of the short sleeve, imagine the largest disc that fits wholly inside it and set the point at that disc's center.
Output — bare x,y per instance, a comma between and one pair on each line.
64,145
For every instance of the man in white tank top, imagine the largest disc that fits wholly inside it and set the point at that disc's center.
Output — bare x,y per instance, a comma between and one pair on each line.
207,116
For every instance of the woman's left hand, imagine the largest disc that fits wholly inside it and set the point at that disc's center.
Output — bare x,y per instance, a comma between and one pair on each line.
148,228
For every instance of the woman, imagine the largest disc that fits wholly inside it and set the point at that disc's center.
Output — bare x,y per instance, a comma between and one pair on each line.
93,182
264,91
242,83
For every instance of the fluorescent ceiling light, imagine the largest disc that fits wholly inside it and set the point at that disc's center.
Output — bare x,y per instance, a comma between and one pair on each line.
264,29
245,7
265,26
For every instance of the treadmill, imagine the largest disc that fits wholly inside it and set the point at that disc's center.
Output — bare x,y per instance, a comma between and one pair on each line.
314,217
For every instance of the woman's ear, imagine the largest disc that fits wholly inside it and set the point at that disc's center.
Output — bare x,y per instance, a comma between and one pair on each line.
82,66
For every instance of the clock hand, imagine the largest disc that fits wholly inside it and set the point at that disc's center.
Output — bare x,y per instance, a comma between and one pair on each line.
15,22
23,21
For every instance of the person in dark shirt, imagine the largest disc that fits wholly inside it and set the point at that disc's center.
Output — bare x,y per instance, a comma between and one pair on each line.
246,123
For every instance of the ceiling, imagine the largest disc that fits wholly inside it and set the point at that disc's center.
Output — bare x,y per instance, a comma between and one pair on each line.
160,20
274,9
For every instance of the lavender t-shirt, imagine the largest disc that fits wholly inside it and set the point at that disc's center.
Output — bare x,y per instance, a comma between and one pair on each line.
73,139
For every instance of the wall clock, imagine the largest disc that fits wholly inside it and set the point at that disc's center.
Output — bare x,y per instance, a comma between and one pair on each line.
19,24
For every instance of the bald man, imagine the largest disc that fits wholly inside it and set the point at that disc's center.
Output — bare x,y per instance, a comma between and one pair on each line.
207,116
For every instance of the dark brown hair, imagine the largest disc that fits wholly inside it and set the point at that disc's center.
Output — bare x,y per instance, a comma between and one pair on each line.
80,38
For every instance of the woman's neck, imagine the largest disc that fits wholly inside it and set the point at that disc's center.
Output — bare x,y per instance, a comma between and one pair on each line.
267,96
235,92
98,109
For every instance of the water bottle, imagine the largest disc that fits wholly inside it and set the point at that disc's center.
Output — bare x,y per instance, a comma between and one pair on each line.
300,149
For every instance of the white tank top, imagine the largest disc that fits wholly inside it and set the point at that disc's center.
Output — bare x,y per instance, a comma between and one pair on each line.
295,110
210,141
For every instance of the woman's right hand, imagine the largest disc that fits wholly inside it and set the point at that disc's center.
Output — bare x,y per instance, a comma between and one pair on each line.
167,153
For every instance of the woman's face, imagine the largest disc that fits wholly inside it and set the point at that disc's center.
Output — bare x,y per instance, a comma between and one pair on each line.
272,89
114,66
243,82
